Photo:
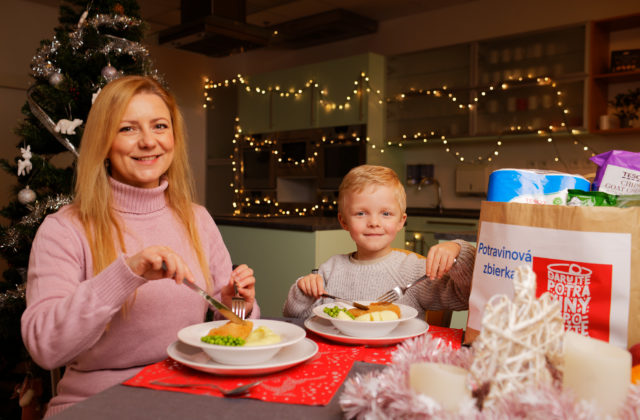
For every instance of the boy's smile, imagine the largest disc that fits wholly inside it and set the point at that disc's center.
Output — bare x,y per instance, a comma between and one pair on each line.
373,217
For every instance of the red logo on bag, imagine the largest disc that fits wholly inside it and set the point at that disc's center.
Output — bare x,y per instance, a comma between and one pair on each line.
583,290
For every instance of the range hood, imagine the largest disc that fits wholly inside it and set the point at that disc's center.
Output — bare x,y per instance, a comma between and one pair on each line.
215,28
218,28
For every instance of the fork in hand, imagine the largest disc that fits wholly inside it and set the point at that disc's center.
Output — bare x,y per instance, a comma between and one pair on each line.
397,292
238,303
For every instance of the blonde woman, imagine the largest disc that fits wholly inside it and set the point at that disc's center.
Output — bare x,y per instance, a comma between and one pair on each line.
98,299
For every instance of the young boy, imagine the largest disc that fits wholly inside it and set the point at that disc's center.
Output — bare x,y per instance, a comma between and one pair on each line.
372,207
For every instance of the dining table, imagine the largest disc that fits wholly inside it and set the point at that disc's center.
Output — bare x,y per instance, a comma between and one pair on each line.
134,399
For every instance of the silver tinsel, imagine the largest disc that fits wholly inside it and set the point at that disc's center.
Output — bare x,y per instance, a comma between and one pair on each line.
121,46
42,62
13,297
387,395
13,237
117,22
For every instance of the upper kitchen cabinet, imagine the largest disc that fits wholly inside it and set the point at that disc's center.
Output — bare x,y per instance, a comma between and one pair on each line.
508,85
418,89
327,94
614,67
537,80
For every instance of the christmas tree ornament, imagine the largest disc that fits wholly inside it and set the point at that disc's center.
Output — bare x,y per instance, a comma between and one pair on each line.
65,126
24,164
47,122
26,196
521,340
55,79
109,72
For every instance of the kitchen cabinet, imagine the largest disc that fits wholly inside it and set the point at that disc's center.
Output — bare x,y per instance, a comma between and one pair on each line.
327,94
422,232
489,88
608,35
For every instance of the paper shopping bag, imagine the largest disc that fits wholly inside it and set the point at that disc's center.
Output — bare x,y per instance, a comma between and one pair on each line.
586,257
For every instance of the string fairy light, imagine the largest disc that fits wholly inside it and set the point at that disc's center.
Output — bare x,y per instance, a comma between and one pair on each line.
268,206
262,202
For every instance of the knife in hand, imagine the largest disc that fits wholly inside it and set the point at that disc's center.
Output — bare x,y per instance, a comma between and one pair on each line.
221,307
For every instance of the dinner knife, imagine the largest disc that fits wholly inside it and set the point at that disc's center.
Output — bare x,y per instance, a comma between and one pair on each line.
352,303
221,307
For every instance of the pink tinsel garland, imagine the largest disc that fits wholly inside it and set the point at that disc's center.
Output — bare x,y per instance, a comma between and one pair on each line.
387,395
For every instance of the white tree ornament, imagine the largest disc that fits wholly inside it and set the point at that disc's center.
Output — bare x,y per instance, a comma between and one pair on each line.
521,340
65,126
24,164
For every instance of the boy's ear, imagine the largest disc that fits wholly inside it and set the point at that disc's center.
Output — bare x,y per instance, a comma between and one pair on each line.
402,222
343,223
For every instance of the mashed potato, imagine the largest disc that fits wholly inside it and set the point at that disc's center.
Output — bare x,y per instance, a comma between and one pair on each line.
378,316
343,315
262,336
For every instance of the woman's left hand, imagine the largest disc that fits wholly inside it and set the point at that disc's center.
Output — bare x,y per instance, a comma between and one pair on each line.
242,275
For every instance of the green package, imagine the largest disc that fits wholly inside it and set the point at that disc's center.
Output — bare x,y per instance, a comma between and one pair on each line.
591,198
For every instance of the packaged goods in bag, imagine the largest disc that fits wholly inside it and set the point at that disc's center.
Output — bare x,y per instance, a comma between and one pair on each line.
618,172
586,257
591,198
533,186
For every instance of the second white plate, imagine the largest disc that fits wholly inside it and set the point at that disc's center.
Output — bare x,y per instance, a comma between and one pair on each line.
406,329
195,358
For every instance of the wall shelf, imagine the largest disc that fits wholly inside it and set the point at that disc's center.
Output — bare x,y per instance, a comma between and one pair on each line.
619,77
628,130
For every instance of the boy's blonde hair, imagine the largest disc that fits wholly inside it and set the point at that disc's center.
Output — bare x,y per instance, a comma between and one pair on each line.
93,201
364,176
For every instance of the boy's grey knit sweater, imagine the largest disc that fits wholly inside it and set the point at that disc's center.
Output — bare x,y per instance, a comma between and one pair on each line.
366,280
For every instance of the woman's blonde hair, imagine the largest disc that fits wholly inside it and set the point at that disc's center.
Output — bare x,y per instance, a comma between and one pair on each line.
93,200
363,176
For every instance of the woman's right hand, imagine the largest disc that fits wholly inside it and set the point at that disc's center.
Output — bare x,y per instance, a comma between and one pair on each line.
311,285
148,264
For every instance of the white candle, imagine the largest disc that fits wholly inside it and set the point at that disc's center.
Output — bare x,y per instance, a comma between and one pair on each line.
444,383
596,371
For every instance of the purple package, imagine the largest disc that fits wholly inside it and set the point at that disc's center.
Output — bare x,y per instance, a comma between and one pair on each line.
618,172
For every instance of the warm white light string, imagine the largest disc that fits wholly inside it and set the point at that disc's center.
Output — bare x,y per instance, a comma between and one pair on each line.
246,205
362,85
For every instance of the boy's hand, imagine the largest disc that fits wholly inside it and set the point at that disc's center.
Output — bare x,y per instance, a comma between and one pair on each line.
311,285
440,259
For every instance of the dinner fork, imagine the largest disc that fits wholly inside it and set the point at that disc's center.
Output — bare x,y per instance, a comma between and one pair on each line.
243,389
238,303
398,291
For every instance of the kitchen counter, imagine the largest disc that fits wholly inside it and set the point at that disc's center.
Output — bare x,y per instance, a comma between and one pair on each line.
298,223
467,235
434,212
318,223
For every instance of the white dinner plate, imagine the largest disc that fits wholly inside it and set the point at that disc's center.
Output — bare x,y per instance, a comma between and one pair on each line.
369,329
406,329
243,355
287,357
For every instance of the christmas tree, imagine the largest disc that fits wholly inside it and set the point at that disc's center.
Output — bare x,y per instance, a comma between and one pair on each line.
96,42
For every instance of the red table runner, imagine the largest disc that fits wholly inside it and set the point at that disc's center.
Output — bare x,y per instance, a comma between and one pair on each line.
311,383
